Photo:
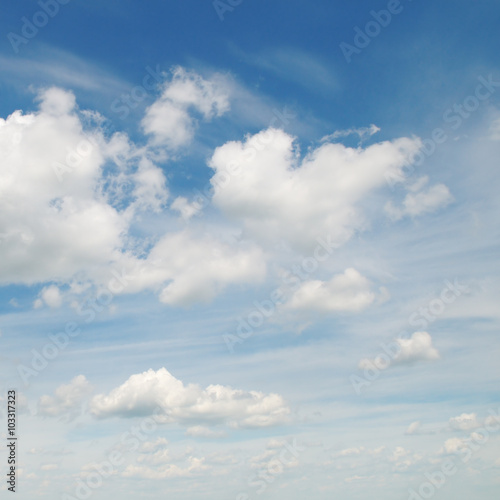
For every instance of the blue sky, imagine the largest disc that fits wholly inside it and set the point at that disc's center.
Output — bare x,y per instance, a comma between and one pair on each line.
236,263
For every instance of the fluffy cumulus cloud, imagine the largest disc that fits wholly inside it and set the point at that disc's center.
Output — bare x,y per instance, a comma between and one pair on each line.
349,291
263,183
417,348
161,394
186,268
420,200
168,119
67,399
59,213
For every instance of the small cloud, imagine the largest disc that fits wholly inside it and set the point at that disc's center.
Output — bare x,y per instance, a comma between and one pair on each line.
50,296
453,445
349,452
464,422
420,201
417,348
362,132
413,428
349,291
168,119
185,208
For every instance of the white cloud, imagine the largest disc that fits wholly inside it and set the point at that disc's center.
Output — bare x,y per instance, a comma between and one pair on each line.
403,459
278,196
349,452
66,400
362,132
195,267
150,191
417,348
464,422
185,208
146,392
168,119
349,291
51,296
413,428
453,445
58,202
420,201
358,478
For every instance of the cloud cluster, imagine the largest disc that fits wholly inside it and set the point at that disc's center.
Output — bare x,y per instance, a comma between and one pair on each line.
69,196
160,392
